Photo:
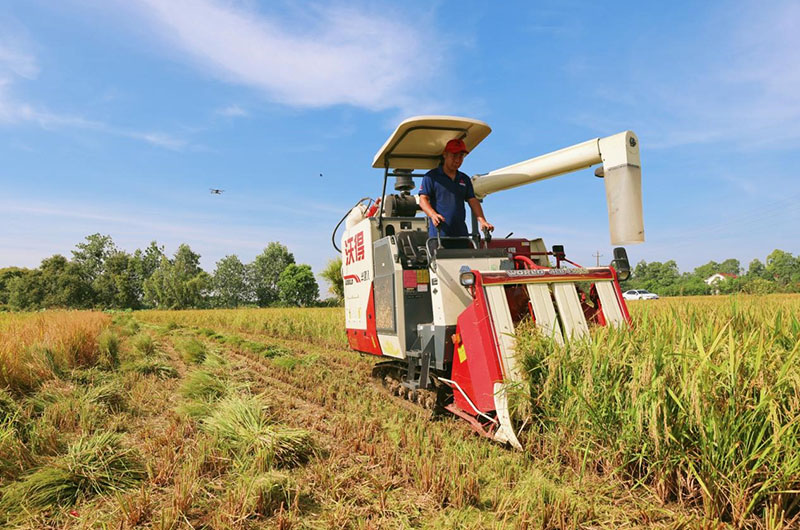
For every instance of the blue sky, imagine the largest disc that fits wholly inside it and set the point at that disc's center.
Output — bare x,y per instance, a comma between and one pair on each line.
117,116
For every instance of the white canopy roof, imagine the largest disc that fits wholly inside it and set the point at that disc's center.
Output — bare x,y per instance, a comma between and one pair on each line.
418,142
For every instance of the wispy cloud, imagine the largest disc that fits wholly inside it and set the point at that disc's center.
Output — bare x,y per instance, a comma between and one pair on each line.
332,55
13,111
232,111
18,63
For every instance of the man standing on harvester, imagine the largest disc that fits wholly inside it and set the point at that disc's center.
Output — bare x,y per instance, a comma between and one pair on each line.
443,193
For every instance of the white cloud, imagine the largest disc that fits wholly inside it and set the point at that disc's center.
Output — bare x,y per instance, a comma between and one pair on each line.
232,111
16,57
15,111
12,111
339,55
17,62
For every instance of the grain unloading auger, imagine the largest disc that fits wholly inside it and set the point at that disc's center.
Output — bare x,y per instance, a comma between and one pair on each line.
446,316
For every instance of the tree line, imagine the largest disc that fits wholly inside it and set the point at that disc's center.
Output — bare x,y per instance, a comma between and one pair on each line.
779,274
100,275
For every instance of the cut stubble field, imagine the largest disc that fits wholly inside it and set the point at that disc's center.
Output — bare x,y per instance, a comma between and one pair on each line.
264,419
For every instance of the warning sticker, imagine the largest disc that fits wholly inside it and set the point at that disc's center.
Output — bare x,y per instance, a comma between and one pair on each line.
462,354
423,276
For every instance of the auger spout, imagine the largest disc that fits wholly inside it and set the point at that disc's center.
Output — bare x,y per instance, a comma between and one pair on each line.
622,172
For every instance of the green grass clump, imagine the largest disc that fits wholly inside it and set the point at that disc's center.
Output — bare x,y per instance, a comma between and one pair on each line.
243,426
110,395
192,351
15,456
202,385
130,328
144,344
259,495
108,346
287,362
73,408
267,351
93,465
234,340
207,332
290,362
10,411
214,361
152,367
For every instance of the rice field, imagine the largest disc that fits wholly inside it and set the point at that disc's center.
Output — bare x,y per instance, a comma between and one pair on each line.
262,418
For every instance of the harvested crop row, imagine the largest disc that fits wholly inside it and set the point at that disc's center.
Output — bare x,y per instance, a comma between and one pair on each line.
412,455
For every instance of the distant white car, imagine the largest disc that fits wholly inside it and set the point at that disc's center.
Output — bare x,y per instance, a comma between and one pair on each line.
639,294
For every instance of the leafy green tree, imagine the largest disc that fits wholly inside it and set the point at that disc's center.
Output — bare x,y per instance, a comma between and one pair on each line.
662,278
730,266
6,275
707,270
689,285
297,286
757,285
264,272
26,292
91,255
119,286
756,270
149,259
64,283
333,275
145,262
179,283
56,283
783,268
230,282
156,286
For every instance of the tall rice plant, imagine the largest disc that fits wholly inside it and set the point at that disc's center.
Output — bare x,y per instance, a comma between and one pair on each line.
37,347
699,401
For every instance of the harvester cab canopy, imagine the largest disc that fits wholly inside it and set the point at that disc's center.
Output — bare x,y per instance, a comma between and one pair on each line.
418,142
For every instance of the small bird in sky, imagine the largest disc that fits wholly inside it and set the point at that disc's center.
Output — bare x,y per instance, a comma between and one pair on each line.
215,191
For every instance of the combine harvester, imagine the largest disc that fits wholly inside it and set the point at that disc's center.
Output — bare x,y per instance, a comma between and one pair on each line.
445,317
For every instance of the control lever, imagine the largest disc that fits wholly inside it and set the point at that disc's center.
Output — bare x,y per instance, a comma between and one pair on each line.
487,235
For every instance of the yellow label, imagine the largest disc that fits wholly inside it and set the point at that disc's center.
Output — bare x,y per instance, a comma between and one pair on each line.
423,276
390,349
462,354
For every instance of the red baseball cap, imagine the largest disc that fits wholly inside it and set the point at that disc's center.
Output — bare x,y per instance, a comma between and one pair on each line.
456,145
